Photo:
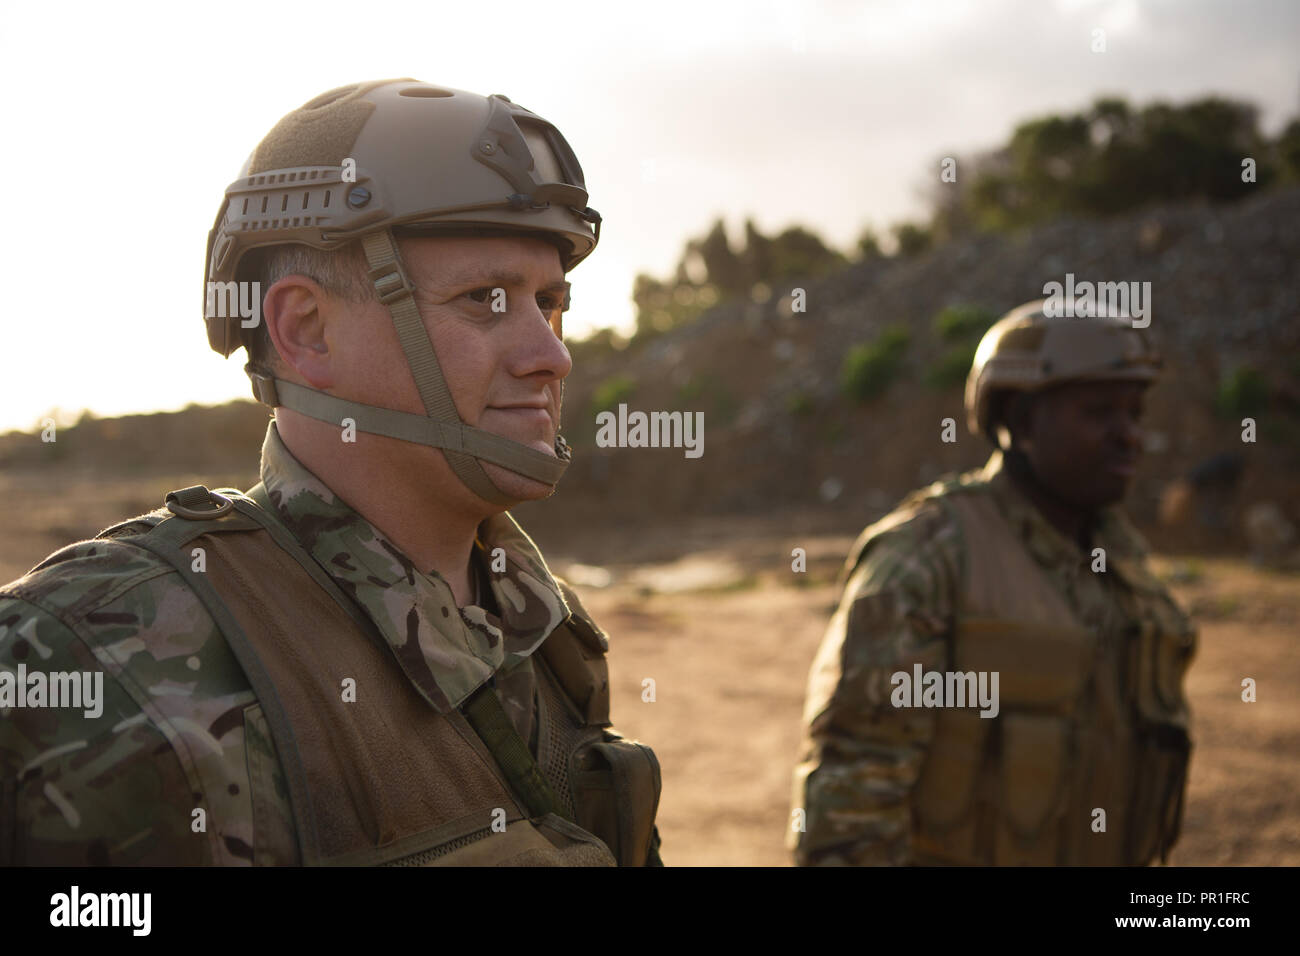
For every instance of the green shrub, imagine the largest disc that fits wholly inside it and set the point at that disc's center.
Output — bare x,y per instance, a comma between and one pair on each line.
799,403
699,393
1243,391
957,323
725,406
690,391
952,368
833,432
868,245
912,239
612,392
869,368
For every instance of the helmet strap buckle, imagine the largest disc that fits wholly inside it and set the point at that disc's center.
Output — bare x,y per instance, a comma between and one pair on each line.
263,386
390,282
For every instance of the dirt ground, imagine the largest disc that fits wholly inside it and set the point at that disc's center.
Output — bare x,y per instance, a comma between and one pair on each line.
727,634
730,671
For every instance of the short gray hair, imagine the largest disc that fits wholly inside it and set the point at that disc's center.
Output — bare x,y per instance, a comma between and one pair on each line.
340,272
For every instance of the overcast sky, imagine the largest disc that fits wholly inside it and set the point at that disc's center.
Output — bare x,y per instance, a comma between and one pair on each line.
125,122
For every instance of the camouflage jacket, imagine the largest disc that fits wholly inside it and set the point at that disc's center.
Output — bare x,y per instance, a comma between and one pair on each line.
862,757
118,786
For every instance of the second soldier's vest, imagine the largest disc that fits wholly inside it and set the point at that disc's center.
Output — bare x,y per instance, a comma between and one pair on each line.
384,778
1086,761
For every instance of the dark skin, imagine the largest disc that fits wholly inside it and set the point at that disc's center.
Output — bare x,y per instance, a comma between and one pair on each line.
1075,449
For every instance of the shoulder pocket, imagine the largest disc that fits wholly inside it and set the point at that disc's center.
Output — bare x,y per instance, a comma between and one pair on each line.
616,785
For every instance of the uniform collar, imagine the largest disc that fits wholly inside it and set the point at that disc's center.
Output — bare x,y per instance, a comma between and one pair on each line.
446,652
1111,530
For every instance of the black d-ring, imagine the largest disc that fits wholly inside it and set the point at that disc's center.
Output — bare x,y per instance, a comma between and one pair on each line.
195,495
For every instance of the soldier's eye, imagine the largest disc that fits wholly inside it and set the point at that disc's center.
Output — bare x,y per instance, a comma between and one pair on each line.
480,295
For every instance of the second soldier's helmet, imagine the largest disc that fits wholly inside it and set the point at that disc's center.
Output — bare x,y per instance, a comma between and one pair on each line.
360,161
1028,350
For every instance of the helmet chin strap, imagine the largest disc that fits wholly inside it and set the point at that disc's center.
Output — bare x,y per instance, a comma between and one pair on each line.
464,446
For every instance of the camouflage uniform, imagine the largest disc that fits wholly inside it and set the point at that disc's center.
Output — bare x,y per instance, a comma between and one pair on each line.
863,757
180,727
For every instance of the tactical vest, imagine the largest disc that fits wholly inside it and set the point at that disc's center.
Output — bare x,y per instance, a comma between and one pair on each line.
1088,721
387,780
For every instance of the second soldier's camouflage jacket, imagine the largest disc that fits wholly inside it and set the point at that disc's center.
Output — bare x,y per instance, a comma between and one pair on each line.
174,733
1080,722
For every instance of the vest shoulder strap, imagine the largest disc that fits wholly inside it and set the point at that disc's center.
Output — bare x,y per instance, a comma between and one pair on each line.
167,539
485,714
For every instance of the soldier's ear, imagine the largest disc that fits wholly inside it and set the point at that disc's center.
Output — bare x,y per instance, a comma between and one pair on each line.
293,312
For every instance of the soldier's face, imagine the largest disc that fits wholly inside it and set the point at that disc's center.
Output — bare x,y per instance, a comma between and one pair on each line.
492,307
1084,440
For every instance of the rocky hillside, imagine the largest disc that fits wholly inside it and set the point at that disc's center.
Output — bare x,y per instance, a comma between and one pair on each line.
780,432
782,435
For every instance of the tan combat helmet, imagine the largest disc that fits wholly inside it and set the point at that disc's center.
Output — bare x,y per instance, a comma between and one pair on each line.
360,160
1027,350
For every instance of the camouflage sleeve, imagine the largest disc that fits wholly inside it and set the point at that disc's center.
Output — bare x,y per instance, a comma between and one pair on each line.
148,765
87,784
862,755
